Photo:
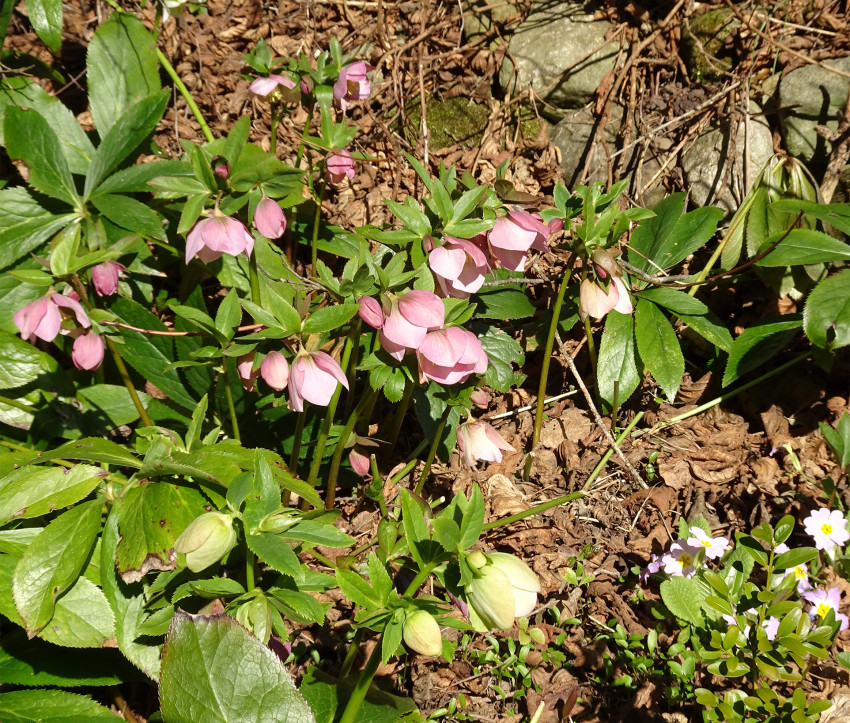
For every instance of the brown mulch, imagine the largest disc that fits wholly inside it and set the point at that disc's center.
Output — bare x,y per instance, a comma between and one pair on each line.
728,464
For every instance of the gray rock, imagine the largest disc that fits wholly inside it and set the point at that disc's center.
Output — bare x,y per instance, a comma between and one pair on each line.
482,20
573,135
817,96
547,48
705,163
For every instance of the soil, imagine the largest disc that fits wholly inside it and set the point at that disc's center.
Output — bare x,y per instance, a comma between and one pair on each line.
732,464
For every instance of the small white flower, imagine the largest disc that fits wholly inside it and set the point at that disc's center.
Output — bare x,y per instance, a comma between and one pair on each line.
714,546
680,560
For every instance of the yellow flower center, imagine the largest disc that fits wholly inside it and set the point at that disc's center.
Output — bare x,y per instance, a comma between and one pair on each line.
685,560
823,609
826,528
799,573
706,543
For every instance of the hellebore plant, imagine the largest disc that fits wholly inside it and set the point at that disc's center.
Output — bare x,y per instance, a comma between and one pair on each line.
216,235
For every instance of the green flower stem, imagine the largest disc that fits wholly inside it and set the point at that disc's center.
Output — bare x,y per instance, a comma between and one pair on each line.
275,121
330,488
322,440
305,134
395,424
723,397
314,250
544,371
254,277
420,578
351,369
327,562
438,436
125,377
351,654
376,475
358,695
249,569
591,345
184,91
602,462
29,409
231,410
736,221
542,507
296,445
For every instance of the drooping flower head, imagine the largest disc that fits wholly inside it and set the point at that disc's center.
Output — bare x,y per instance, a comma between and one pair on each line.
42,318
314,376
340,165
219,234
459,266
87,352
714,546
246,372
825,600
595,301
503,588
352,84
451,356
421,633
408,317
274,370
105,277
266,86
827,527
269,218
513,235
477,440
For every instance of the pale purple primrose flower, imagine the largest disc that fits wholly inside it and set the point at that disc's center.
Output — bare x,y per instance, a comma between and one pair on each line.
801,575
771,627
87,352
827,527
219,234
680,559
825,600
714,546
264,86
781,548
314,377
652,567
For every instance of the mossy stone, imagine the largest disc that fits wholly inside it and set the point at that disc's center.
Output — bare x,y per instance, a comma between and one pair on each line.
710,30
452,121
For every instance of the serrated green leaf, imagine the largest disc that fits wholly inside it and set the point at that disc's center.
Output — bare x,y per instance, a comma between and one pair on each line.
22,362
53,562
684,598
827,313
659,347
122,68
30,139
199,661
275,552
150,518
56,706
758,344
46,19
503,351
805,246
24,224
504,304
113,402
411,216
617,358
34,491
329,318
356,589
318,533
130,214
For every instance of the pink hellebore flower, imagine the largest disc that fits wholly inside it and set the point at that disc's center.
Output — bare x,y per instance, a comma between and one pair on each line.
596,302
460,267
269,218
371,312
451,356
411,316
825,600
828,527
513,235
314,376
680,559
477,440
219,234
87,352
352,84
246,372
340,165
480,399
42,319
264,86
359,462
274,370
105,277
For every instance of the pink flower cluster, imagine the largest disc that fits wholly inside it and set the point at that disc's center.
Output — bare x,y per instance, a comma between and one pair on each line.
460,265
414,321
42,319
313,376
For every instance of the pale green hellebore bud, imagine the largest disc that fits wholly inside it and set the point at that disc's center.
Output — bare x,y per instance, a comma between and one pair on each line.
206,540
504,588
421,633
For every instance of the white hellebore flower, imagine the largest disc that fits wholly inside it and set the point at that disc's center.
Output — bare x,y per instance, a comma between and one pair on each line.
504,588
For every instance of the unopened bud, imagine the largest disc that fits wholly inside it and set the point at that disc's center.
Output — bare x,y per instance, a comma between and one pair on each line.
479,399
206,540
421,633
605,263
